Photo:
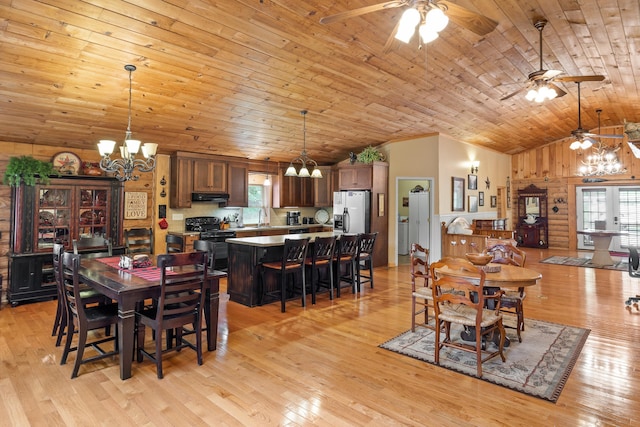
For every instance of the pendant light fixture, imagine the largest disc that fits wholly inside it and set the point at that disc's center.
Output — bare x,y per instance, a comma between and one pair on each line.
303,158
267,180
125,166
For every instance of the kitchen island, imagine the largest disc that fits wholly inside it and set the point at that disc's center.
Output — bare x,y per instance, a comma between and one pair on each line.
245,256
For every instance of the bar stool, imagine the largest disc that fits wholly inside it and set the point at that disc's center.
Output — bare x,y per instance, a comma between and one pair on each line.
365,257
174,243
321,259
346,256
293,256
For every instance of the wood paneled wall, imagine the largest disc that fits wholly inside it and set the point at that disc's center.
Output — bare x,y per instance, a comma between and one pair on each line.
555,167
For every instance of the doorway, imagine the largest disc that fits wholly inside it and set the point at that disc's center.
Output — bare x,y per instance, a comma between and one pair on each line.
414,206
609,208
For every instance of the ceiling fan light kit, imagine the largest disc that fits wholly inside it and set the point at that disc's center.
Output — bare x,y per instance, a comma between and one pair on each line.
433,22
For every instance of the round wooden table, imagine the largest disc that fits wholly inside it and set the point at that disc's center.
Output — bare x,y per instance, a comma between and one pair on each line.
509,276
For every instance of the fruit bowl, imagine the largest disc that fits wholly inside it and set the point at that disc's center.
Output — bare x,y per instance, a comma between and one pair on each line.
479,259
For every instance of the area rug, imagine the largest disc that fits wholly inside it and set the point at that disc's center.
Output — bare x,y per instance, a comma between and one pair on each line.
538,366
620,264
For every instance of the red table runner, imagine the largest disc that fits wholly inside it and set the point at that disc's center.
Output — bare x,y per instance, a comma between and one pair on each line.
147,273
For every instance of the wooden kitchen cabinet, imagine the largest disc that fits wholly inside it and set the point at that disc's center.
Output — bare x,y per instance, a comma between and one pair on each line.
181,182
355,177
292,191
322,189
238,183
209,176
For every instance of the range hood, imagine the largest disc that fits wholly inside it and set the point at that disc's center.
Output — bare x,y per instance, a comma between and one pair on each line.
209,197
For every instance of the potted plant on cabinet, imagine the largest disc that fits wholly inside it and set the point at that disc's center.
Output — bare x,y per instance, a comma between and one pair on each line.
369,155
28,169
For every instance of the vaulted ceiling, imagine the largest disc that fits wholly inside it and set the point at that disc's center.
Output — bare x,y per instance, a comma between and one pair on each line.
231,77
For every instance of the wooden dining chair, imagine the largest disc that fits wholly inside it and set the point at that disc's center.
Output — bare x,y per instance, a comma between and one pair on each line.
464,303
321,260
345,262
93,244
290,266
138,240
512,300
209,247
364,258
180,303
85,318
174,243
421,292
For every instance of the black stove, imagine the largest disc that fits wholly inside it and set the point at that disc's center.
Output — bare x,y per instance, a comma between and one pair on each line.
209,228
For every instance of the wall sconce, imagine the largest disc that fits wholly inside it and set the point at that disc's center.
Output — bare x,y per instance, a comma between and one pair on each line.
474,166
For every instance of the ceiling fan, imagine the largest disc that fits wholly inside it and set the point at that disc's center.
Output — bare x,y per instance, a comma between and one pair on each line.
431,16
584,139
540,83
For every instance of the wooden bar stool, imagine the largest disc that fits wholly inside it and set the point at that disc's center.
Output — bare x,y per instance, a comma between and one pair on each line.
293,256
346,256
321,259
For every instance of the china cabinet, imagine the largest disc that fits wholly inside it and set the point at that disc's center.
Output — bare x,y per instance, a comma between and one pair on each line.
65,209
532,228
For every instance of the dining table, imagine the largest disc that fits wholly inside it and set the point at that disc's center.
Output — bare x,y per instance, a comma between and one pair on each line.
128,287
498,276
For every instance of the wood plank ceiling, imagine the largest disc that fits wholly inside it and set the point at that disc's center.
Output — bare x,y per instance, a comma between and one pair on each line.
231,77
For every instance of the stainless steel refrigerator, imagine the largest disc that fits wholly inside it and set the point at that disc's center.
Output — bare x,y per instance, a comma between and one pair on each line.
352,211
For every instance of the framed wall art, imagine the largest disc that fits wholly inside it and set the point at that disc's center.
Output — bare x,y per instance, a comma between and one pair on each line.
457,194
494,201
473,203
473,182
481,198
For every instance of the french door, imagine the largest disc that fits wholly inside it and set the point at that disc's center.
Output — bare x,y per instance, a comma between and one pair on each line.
609,208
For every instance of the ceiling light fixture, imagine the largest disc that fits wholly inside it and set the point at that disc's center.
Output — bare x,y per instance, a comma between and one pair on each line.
303,158
267,180
541,92
124,167
431,22
604,161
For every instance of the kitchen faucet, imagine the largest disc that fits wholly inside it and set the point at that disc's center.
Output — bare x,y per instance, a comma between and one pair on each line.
261,217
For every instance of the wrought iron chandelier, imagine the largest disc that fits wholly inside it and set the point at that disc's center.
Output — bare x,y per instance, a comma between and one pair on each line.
127,164
303,158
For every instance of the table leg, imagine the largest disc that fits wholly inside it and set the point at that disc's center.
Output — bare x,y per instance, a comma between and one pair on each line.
126,326
601,255
212,296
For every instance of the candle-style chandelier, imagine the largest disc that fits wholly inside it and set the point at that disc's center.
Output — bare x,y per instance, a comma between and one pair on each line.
303,158
125,166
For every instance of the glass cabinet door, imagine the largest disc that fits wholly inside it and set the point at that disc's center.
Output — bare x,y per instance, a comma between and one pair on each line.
54,212
93,220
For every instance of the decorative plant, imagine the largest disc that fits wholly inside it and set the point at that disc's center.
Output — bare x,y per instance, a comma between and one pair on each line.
28,169
370,154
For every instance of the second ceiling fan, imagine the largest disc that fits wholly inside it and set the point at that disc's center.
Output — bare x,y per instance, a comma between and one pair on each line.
430,16
540,84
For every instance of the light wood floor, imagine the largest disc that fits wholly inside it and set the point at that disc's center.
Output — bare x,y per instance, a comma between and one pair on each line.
322,366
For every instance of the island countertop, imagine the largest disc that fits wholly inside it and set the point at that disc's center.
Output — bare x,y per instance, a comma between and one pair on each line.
278,240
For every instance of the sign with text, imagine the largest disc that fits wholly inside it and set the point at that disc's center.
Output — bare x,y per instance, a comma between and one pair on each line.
135,205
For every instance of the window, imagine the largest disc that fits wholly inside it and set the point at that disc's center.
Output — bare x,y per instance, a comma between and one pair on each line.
259,199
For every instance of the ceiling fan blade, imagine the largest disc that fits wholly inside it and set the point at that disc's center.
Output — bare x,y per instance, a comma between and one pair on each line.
610,136
579,78
512,94
559,91
361,11
472,21
391,40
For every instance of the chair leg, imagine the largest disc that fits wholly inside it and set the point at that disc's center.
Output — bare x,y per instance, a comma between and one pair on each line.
283,292
140,345
358,275
304,288
330,281
370,262
158,355
82,341
315,278
57,320
413,314
62,327
67,345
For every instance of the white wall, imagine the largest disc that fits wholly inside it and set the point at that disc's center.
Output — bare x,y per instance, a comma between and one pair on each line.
440,157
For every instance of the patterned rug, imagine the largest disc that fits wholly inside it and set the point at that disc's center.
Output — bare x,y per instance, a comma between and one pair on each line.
538,366
621,264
